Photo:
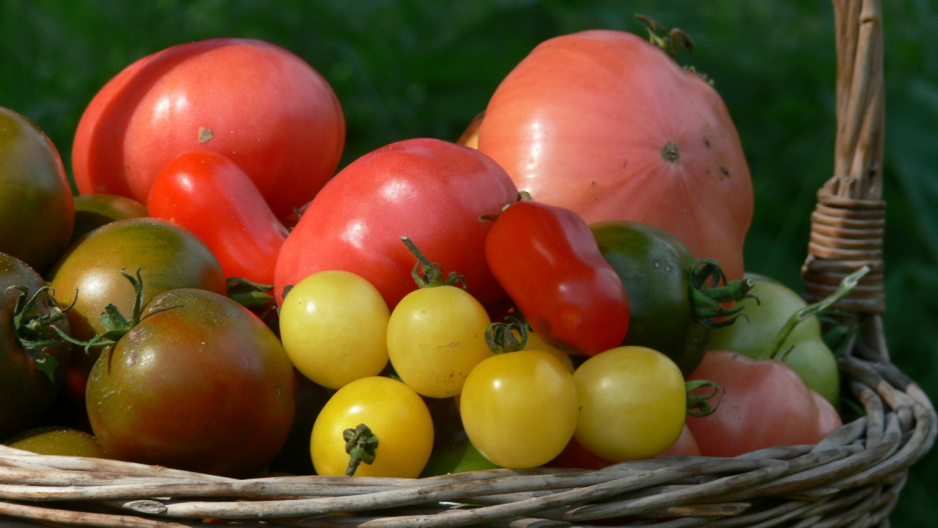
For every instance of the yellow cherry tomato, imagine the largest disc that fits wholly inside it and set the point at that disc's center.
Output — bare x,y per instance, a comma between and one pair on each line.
436,335
632,403
333,325
519,409
397,417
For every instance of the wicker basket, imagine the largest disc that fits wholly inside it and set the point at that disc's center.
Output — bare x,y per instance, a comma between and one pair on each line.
851,478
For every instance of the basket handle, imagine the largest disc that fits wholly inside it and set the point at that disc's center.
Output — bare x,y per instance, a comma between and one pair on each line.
848,223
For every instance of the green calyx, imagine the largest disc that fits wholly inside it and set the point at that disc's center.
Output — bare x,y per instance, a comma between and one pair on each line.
116,325
429,274
508,336
362,446
35,330
699,405
709,290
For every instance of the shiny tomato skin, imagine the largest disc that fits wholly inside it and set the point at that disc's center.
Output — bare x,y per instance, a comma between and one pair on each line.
201,384
765,404
88,277
207,193
37,210
25,391
259,104
548,261
606,124
429,190
94,210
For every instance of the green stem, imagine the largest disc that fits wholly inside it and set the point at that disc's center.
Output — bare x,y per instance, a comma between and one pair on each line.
362,446
843,289
709,290
429,274
501,337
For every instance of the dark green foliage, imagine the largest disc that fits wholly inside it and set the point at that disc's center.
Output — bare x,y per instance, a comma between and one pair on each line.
425,68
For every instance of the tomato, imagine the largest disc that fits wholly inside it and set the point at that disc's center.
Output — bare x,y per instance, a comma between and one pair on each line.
765,404
396,416
94,210
31,373
436,335
632,403
804,349
37,211
685,445
672,305
264,107
470,136
429,190
54,440
200,384
548,261
88,277
520,408
608,125
334,327
211,196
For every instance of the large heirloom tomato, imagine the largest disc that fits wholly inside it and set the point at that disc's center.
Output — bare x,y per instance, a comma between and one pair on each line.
608,125
429,190
37,211
255,102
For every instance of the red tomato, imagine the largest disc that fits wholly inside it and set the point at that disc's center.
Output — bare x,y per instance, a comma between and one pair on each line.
211,196
766,404
261,105
608,125
429,190
549,262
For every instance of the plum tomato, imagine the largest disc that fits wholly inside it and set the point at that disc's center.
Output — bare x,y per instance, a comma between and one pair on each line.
334,327
37,210
379,422
200,384
632,403
519,409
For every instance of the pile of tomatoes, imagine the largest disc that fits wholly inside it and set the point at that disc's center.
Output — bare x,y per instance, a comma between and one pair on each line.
564,285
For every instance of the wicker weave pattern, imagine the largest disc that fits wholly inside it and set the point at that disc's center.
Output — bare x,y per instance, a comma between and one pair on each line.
852,478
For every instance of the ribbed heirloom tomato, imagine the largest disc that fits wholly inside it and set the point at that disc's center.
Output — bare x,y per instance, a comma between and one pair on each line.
263,106
608,125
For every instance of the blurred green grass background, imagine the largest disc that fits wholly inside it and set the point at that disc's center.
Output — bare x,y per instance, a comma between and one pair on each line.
424,68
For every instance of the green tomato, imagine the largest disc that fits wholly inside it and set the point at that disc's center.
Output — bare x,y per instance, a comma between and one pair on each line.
519,409
436,335
632,403
459,457
333,325
804,349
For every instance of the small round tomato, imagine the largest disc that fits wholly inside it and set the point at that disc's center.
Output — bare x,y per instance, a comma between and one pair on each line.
200,384
804,349
37,212
436,335
56,440
632,403
520,408
94,210
395,415
333,325
88,277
